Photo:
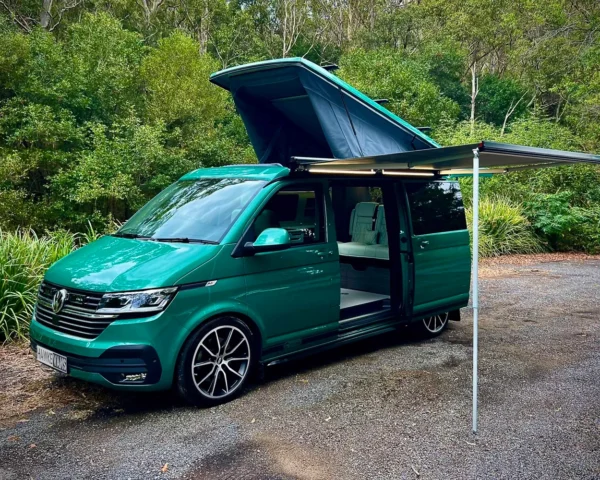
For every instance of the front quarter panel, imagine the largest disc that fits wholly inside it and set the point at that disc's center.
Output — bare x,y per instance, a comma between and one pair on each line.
166,332
195,305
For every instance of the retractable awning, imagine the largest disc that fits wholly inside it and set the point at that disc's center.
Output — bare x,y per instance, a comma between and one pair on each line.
472,160
494,158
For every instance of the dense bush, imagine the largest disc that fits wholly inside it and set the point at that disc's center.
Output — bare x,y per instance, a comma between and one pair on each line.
104,103
503,228
566,227
94,122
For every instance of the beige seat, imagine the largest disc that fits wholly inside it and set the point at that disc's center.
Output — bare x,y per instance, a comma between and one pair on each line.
362,230
381,250
368,240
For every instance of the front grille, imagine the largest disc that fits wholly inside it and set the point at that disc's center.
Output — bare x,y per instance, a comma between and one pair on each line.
78,316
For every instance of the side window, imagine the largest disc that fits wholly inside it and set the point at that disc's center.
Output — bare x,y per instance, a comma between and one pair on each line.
435,207
299,209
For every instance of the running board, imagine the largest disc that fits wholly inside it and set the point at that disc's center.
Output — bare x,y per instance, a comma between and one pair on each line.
342,338
364,320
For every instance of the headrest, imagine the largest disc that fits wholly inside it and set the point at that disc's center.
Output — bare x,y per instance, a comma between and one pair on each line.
365,209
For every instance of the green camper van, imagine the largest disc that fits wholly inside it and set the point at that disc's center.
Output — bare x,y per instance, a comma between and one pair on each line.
236,267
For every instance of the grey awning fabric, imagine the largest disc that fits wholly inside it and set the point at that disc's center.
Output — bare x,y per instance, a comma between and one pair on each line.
493,157
292,107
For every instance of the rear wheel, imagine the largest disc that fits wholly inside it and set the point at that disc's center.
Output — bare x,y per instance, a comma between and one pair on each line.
432,326
216,362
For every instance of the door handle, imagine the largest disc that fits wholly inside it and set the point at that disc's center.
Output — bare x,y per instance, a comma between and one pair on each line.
424,243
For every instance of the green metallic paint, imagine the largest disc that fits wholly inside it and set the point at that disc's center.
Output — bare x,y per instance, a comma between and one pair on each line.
442,269
265,172
288,295
303,281
272,237
168,330
114,264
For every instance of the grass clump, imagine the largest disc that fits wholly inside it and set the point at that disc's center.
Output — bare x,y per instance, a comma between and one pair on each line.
24,257
503,228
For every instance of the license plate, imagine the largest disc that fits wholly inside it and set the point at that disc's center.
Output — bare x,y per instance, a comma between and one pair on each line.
54,360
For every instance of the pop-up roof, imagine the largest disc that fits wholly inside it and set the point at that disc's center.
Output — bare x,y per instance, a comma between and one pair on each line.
292,107
299,115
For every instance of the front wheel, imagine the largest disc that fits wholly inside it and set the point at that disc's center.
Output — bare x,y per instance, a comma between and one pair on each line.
216,362
432,326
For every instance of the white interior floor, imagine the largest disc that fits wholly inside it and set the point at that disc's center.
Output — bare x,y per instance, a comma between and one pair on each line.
351,298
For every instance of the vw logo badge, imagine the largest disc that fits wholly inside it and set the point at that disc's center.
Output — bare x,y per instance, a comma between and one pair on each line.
59,299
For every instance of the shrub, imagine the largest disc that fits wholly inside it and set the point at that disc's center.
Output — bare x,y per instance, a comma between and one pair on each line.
566,227
504,228
24,257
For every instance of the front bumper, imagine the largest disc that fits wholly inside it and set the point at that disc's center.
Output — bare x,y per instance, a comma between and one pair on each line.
113,365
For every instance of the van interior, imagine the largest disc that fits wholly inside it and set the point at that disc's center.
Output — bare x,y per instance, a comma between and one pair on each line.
363,241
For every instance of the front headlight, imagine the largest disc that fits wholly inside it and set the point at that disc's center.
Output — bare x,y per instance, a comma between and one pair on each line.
136,302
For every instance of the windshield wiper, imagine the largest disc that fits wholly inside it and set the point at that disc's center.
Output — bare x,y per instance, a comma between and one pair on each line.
184,240
128,235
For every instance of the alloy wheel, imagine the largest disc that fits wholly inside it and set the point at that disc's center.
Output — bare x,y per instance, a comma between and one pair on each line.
436,323
221,361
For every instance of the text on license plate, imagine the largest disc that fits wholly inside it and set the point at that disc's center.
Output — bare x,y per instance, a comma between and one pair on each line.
54,360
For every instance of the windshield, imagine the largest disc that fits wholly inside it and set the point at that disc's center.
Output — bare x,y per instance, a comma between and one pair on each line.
194,210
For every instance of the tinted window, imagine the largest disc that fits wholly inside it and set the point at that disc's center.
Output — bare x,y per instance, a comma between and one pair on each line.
297,209
196,209
435,207
285,207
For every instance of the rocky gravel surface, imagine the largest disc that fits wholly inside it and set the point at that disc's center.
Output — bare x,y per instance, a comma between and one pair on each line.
386,408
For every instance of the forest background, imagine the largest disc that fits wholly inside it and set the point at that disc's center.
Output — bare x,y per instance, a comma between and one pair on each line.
103,103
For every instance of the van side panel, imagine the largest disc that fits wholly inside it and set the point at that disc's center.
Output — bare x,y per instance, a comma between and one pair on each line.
440,246
442,270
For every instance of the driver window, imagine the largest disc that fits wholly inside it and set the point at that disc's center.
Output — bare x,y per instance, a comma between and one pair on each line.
298,209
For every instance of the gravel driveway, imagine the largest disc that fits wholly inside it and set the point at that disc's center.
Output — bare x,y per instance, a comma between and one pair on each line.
389,407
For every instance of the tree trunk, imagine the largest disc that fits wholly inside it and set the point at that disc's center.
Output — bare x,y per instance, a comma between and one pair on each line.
203,30
349,31
45,16
474,92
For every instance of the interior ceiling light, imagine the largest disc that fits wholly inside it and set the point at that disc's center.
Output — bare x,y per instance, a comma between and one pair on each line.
345,172
409,173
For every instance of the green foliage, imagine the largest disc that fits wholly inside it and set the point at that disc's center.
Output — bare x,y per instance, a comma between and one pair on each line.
24,257
403,81
105,102
500,96
93,123
503,228
566,227
176,79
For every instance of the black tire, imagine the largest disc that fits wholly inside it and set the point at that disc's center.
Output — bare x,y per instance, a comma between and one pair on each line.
432,326
205,373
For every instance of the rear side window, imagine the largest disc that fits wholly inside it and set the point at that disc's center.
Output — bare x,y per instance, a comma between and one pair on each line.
435,207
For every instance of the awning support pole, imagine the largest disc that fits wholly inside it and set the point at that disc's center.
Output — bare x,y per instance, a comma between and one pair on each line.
475,231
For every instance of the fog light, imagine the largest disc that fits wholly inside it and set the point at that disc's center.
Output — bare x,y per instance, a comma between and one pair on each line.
133,377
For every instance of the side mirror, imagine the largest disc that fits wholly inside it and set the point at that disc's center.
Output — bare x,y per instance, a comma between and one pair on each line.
269,240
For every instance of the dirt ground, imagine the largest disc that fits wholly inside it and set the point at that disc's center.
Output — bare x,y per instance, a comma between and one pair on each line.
392,407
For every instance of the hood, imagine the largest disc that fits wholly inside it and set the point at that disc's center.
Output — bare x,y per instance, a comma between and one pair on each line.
113,264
